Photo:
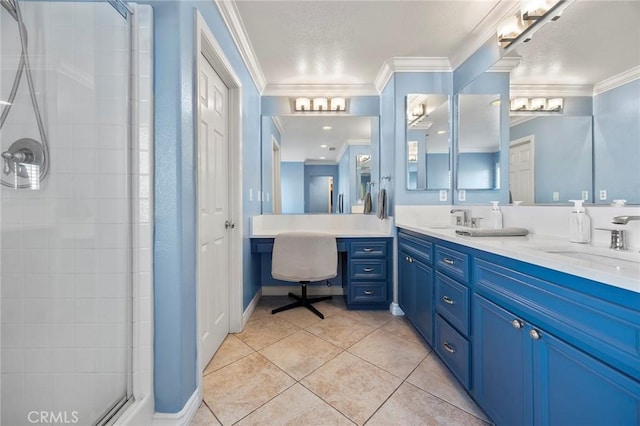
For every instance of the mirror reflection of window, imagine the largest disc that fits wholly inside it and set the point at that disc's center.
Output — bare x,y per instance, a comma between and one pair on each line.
428,138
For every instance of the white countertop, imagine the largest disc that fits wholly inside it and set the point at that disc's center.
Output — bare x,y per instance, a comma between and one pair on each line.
340,225
619,269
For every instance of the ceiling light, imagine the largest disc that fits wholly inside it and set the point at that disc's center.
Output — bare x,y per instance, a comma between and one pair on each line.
441,132
323,146
338,104
320,104
323,158
495,102
327,127
303,104
537,104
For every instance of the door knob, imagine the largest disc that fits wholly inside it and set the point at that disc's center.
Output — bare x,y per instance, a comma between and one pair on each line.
229,224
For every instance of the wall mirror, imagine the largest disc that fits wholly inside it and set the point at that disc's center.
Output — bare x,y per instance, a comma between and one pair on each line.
317,164
478,153
427,141
591,149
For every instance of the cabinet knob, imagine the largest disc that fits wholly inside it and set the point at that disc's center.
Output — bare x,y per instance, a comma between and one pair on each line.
448,300
447,346
535,334
516,324
448,261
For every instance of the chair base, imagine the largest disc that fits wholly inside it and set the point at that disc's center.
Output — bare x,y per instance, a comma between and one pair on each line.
303,301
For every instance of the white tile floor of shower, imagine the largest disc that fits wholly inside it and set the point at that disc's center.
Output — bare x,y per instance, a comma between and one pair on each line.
353,367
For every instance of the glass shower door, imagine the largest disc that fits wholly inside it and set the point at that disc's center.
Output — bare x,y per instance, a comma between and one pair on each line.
65,211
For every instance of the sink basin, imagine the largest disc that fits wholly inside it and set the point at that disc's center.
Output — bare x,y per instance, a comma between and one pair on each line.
598,258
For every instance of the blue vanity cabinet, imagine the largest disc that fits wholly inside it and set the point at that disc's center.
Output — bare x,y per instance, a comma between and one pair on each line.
525,374
415,282
369,267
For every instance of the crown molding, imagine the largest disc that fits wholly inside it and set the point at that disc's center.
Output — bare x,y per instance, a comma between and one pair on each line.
358,141
484,31
343,150
506,64
294,90
319,163
550,90
278,123
232,20
409,64
617,80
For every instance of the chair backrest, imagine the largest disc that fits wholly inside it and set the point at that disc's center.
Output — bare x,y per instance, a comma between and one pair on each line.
304,256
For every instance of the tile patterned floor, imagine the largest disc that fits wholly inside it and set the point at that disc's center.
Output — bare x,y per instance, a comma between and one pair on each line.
352,368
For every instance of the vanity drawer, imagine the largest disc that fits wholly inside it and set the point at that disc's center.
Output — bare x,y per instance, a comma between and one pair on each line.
368,292
362,269
453,263
453,349
369,249
452,302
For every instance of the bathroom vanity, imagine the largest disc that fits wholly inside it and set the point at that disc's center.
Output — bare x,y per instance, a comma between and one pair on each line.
532,344
365,253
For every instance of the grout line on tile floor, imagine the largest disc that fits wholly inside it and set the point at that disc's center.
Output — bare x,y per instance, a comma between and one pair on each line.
210,410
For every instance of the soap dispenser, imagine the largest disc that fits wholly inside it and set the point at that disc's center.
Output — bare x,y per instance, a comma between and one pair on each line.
579,224
495,220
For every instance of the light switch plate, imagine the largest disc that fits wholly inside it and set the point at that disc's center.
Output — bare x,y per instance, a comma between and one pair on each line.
443,195
603,194
462,195
585,195
556,196
250,194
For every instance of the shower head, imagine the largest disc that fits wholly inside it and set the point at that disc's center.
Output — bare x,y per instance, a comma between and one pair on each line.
11,7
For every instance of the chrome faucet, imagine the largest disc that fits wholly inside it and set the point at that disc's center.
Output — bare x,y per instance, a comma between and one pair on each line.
466,214
623,220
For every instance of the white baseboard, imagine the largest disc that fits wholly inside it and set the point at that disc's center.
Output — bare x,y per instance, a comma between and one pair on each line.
252,306
395,309
316,290
182,418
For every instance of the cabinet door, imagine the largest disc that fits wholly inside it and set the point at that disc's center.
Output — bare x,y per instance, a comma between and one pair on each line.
571,388
423,296
502,379
406,285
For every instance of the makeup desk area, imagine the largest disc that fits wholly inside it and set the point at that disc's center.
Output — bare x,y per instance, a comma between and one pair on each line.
364,250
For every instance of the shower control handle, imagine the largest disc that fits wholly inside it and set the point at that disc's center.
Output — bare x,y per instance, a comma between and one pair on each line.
21,156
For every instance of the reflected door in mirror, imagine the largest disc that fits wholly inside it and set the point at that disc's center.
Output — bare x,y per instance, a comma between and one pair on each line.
320,194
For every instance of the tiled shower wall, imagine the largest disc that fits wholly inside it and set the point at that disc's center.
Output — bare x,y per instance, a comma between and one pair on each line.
67,260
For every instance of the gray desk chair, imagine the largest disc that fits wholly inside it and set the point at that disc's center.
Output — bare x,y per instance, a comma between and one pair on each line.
304,257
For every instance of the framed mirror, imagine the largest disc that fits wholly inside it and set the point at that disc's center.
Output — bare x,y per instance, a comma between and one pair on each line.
428,140
478,149
316,163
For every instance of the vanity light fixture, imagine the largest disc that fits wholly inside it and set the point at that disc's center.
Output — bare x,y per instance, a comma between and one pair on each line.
537,104
533,14
320,104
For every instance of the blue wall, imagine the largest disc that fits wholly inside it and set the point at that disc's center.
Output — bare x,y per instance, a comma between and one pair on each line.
292,174
437,171
175,339
617,143
343,177
477,170
563,156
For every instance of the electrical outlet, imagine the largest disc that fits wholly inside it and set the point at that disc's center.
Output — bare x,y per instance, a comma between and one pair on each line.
603,194
250,194
585,195
462,195
556,196
443,195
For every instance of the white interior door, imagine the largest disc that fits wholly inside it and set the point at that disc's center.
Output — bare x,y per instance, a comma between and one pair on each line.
213,206
522,171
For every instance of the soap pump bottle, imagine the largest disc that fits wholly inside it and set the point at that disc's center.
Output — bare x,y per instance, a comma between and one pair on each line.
496,216
579,224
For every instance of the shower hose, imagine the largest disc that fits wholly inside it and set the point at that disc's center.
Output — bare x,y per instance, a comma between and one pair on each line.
13,8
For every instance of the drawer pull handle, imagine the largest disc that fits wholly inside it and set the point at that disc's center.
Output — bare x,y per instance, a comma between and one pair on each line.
368,269
448,300
448,261
517,324
535,334
369,292
367,249
448,347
